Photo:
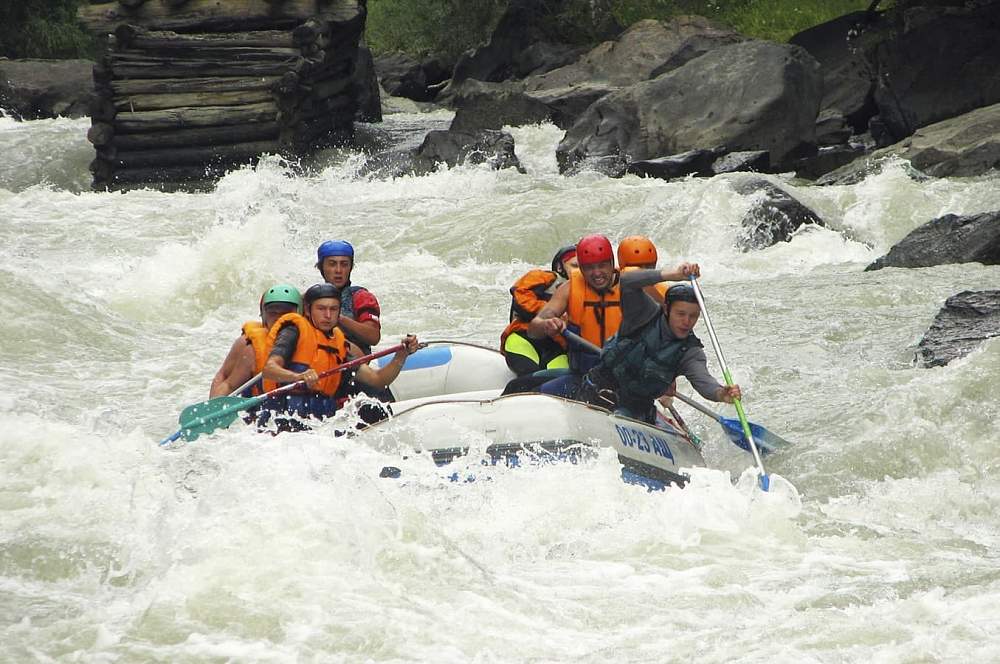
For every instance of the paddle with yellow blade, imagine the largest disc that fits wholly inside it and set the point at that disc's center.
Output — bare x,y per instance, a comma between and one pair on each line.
220,412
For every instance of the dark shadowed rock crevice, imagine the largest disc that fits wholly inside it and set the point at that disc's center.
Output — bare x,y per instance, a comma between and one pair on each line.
940,62
966,320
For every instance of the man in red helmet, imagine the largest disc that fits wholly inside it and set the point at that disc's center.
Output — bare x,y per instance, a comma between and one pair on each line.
592,301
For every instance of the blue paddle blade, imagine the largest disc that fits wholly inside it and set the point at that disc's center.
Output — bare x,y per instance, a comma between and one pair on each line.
766,441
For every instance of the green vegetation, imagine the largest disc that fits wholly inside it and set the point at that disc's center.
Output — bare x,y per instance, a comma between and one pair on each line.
449,27
43,29
440,27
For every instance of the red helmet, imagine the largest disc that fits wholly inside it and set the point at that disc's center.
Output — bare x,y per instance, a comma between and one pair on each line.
636,250
593,249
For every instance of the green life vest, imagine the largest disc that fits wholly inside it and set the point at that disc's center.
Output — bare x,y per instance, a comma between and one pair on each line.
643,366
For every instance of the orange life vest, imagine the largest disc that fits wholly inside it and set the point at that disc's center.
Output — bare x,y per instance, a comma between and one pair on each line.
527,297
315,350
256,334
597,315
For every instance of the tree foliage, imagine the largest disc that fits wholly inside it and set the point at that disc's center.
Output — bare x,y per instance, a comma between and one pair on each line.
43,29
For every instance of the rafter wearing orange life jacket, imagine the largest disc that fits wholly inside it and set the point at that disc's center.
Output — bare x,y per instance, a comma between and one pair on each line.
527,297
595,316
257,337
316,351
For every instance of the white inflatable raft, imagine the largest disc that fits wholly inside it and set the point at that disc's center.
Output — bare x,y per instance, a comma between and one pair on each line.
448,395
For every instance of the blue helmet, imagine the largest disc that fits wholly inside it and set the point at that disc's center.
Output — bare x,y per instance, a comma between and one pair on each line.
334,248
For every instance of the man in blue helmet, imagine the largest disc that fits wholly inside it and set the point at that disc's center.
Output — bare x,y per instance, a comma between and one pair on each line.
359,310
249,352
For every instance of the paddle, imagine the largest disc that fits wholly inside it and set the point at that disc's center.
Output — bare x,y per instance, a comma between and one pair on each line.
766,440
220,412
764,480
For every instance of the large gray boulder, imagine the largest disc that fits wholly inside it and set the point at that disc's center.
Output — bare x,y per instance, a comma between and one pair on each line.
965,321
947,239
37,89
942,62
753,95
648,48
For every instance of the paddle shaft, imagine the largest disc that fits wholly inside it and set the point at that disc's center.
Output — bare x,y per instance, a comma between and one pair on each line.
246,385
346,366
577,339
726,375
697,406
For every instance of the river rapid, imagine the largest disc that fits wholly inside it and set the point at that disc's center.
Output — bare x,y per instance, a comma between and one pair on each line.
118,308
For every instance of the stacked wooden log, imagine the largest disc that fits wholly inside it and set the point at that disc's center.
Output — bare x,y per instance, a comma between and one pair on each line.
188,89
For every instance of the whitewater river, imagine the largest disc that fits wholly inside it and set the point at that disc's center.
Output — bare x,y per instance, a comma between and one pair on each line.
118,308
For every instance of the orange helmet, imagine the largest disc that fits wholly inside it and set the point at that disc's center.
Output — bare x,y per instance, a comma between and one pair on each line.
636,250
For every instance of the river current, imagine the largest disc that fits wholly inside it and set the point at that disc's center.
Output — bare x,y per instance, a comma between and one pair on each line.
118,308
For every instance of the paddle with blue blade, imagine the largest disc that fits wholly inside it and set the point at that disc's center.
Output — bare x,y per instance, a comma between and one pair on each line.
220,412
733,428
763,478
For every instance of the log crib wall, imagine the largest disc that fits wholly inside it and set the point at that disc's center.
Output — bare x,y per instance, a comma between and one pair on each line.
188,89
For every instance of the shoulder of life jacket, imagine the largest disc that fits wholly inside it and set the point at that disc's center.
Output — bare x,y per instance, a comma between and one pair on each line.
530,293
256,334
314,351
597,315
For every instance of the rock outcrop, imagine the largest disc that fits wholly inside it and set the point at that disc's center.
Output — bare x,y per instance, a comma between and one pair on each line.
939,63
753,95
38,89
966,320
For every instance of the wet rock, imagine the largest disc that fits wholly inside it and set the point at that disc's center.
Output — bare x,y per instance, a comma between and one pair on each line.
742,161
774,216
455,148
494,106
948,239
613,166
966,320
828,159
692,162
37,89
447,147
761,96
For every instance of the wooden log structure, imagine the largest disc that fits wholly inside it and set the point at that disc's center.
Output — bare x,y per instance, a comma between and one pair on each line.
188,89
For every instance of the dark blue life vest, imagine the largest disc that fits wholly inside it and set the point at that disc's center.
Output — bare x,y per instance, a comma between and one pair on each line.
643,364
